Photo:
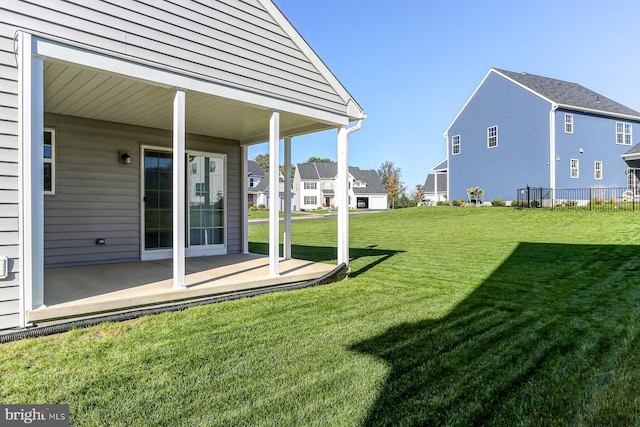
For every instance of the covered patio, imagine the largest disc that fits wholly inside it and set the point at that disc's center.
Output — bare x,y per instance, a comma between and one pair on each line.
145,149
91,289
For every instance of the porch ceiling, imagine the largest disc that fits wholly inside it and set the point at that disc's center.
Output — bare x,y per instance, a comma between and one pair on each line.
82,92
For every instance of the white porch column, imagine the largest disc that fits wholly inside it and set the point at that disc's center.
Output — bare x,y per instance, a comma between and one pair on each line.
244,170
274,193
31,175
179,185
287,199
342,195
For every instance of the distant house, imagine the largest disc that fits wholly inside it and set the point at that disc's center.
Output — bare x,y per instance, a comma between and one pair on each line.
258,186
520,129
435,186
124,135
255,176
315,186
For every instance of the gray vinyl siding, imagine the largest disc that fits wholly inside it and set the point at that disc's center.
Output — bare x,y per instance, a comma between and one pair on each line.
98,197
9,237
236,43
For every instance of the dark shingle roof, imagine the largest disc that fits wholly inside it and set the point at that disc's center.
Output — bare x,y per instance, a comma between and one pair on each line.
371,177
317,171
633,150
568,95
307,171
255,169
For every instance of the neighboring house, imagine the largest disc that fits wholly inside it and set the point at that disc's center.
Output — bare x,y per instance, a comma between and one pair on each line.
435,186
519,130
255,176
263,193
112,113
315,186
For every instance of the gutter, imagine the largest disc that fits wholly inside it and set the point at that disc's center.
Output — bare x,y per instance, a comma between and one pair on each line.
598,112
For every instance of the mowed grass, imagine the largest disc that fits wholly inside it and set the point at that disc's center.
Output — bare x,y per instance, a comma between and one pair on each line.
451,316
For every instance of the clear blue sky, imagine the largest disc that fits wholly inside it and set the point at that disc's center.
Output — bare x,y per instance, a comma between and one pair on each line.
412,65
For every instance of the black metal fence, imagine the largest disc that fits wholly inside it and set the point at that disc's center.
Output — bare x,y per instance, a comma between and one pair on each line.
596,198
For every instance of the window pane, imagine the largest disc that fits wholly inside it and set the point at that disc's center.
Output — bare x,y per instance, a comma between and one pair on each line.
48,177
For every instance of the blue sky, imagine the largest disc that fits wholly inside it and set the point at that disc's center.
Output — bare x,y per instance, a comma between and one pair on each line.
412,65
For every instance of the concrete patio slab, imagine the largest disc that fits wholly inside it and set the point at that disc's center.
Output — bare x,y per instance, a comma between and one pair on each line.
86,290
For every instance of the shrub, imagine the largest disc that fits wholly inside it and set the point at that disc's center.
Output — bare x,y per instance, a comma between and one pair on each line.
442,203
498,202
457,202
534,204
515,204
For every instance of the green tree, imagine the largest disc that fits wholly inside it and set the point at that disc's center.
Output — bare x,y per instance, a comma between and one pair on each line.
314,159
389,175
263,161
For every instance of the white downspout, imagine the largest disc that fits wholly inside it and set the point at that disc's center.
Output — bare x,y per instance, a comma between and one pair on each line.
552,150
343,186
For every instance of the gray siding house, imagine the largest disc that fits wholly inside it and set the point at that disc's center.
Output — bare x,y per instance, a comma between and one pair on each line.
124,130
520,129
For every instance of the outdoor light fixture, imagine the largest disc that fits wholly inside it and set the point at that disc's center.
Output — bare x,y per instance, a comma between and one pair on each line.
124,157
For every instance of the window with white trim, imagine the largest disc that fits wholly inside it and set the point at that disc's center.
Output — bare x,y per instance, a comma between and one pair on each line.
623,133
492,137
575,168
310,200
455,144
597,169
310,185
568,123
49,161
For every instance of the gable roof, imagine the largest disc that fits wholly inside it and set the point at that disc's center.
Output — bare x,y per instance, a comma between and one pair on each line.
317,171
442,166
569,95
566,95
255,169
371,177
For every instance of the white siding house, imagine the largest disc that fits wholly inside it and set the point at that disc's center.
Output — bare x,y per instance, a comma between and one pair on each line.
123,124
315,187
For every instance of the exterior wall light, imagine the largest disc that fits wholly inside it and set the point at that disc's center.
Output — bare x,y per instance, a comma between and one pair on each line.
124,157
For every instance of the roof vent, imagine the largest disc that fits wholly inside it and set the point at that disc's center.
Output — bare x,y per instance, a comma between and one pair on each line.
598,98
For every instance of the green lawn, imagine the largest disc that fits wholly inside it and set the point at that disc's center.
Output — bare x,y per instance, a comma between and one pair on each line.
452,316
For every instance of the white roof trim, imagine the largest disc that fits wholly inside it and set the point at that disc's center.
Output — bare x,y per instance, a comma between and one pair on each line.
353,109
528,89
446,132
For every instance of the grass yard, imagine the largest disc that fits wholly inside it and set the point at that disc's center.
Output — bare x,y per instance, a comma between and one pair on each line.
452,316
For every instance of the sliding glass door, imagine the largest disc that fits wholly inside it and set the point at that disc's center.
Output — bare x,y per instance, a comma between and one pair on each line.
206,200
205,210
158,199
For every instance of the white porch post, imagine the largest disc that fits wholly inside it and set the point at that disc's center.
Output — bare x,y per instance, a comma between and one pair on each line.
287,198
274,193
244,170
31,175
342,194
179,173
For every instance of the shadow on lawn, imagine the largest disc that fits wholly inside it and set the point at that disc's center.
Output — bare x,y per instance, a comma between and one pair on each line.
550,338
324,254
